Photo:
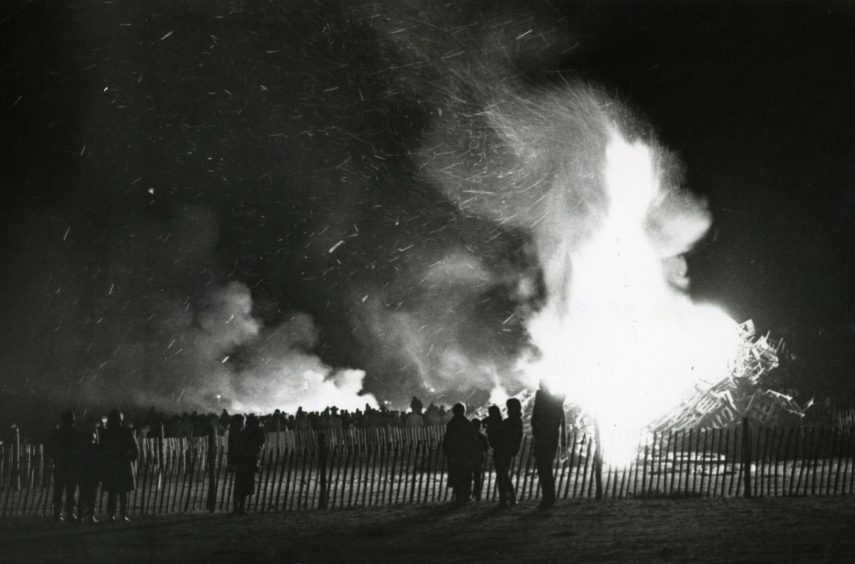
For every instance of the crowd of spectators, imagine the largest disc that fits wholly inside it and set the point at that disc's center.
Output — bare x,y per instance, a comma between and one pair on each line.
198,424
154,423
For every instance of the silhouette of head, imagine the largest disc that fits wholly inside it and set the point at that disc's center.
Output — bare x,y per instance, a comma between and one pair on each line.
514,407
416,405
476,423
252,422
236,422
68,419
458,409
115,418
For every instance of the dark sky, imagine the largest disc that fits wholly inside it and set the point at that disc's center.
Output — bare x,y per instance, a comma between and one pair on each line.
196,194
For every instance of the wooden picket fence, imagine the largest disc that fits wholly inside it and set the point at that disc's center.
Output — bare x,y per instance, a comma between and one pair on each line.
843,419
387,466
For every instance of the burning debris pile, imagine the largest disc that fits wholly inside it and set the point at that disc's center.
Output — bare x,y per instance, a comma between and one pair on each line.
723,403
716,404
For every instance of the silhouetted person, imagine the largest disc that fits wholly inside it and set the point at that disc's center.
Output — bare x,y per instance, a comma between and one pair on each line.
64,445
477,460
237,423
120,450
90,471
493,424
248,462
154,424
225,418
459,443
547,418
505,440
415,418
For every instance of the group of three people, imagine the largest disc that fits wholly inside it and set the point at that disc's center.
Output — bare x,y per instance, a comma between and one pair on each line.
84,458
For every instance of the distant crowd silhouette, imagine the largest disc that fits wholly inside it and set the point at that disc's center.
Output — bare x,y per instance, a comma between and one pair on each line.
197,424
104,450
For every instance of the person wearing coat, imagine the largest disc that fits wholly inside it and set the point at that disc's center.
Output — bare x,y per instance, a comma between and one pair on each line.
506,445
64,448
459,444
90,471
477,460
237,423
547,420
119,450
247,462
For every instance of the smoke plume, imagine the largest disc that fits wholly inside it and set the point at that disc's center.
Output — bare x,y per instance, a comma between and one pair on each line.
285,205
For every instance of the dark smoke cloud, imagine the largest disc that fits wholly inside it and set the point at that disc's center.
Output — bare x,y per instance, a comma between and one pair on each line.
261,200
197,179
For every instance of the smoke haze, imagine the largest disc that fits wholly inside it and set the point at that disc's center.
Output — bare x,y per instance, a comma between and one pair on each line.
305,203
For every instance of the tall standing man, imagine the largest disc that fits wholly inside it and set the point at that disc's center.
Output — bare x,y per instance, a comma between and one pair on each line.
64,446
547,420
459,443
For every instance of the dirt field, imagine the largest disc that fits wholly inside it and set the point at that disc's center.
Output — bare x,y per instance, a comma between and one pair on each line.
815,529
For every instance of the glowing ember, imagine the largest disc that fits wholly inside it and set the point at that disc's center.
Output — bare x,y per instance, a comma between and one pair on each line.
621,340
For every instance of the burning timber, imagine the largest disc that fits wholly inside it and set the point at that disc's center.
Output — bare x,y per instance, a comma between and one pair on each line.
722,404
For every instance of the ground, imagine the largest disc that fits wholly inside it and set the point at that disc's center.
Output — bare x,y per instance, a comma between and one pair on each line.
813,529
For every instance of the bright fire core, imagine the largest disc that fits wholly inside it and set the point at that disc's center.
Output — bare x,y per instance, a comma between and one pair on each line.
624,343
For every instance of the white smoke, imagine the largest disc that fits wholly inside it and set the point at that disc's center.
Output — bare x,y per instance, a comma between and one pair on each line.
282,373
537,161
427,330
226,357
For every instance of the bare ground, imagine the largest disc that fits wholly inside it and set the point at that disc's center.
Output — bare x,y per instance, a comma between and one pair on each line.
814,529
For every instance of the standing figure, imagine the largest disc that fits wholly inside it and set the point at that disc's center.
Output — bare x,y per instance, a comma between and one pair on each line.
120,450
493,423
237,423
458,444
506,445
477,461
247,463
64,445
415,418
90,471
547,419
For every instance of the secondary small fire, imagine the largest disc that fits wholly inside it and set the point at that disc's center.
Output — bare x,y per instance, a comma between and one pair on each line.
620,339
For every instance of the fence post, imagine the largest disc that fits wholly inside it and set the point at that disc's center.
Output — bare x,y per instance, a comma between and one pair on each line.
212,473
746,456
598,462
16,468
322,469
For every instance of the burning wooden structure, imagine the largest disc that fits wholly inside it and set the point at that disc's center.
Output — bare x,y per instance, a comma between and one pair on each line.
722,404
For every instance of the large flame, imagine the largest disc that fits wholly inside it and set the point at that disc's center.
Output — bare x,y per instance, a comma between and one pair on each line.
623,342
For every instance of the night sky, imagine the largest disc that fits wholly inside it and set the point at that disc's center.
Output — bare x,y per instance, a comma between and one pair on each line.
198,195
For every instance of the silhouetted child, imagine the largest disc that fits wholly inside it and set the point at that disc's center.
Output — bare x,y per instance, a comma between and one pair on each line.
90,471
481,447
